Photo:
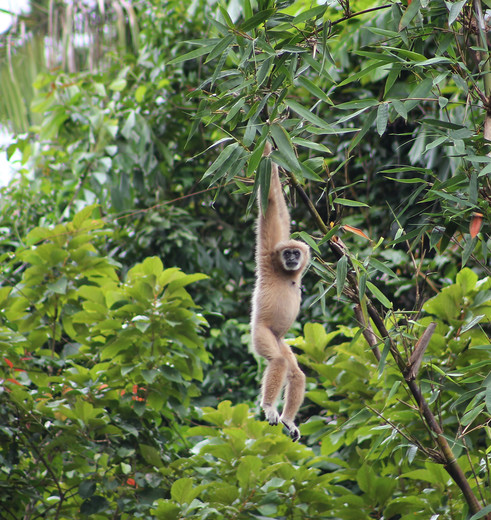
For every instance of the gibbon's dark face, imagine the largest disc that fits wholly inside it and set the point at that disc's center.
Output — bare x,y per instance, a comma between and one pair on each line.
291,259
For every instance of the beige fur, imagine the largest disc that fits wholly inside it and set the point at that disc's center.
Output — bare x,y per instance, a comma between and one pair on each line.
275,305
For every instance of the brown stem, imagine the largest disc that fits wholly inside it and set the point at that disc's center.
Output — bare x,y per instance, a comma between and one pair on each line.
367,332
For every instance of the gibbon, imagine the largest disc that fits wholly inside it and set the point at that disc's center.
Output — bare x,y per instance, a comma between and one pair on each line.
280,263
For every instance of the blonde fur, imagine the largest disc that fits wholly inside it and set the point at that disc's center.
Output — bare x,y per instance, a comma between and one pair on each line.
275,305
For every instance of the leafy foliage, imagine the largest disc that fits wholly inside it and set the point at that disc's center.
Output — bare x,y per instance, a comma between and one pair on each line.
109,404
95,373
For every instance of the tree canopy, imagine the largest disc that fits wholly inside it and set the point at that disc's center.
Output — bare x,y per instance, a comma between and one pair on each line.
127,386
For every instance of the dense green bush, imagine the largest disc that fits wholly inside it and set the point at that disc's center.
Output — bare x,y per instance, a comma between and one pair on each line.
97,374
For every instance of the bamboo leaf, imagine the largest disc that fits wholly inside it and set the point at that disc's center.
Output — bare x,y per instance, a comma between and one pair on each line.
226,153
379,295
380,266
192,54
264,179
341,272
220,47
256,20
382,118
285,147
311,87
255,158
454,10
366,126
400,108
310,14
307,114
352,203
409,14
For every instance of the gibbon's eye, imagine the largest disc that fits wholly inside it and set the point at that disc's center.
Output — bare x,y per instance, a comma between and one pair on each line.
290,254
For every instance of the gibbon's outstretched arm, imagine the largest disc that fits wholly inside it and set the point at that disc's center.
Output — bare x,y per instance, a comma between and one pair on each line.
274,226
280,263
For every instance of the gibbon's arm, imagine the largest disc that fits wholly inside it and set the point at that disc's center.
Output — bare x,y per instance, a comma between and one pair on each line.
274,226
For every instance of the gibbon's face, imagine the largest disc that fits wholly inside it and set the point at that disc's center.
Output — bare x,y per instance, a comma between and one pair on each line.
291,258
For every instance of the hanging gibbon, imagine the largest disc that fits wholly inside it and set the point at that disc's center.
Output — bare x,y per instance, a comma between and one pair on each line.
280,263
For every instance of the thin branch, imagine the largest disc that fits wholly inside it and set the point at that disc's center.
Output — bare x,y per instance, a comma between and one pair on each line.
360,13
368,333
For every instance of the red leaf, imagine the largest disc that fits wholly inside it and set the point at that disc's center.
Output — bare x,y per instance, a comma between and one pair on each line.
476,224
9,363
355,230
14,381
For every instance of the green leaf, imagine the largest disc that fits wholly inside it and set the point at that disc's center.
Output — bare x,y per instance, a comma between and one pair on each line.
421,90
226,16
311,87
409,14
366,70
193,54
263,71
351,203
341,273
83,215
86,488
38,234
472,414
220,47
59,286
255,157
379,295
118,85
382,118
223,492
285,147
383,356
93,505
256,20
166,510
151,455
222,158
455,9
307,114
318,147
264,182
380,266
481,514
140,93
468,250
310,14
182,491
366,127
400,108
487,397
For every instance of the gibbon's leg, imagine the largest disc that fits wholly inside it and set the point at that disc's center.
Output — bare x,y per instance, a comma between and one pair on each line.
266,345
294,391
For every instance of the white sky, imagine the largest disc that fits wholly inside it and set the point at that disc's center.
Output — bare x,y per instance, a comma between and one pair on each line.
14,6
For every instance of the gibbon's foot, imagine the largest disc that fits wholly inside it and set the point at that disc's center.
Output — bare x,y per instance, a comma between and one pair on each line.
292,430
272,415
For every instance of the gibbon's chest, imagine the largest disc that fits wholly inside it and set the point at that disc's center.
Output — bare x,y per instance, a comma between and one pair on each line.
277,302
